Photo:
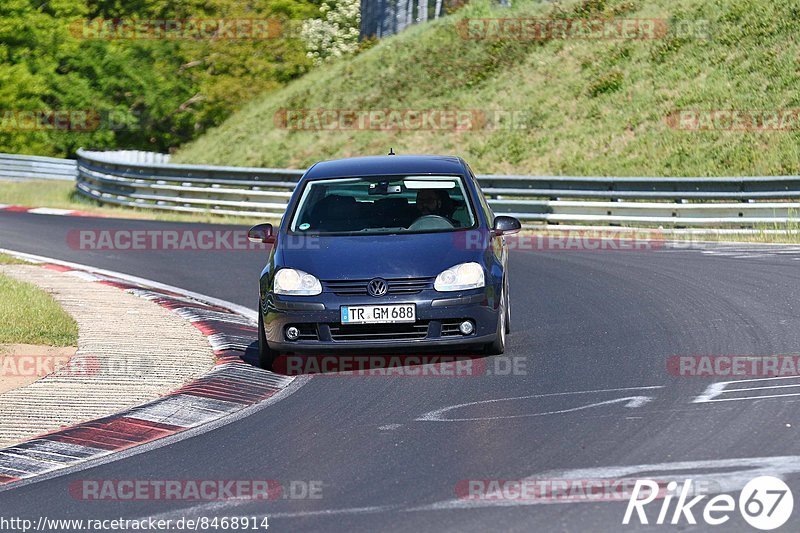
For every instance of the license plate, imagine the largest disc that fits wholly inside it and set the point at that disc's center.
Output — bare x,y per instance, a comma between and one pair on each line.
378,314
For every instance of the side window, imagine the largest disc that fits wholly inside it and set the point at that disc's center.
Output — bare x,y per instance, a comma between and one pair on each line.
484,204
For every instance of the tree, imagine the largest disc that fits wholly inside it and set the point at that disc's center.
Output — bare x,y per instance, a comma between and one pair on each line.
336,34
146,94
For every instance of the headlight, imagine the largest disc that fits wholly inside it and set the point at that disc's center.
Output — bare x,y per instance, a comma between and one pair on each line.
460,277
296,283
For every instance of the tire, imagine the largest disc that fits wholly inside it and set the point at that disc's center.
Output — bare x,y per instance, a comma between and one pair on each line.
498,346
266,356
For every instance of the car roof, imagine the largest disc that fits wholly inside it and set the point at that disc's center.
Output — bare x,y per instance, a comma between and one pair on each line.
386,165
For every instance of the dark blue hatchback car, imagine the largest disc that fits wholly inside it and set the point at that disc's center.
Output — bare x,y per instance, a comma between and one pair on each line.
384,253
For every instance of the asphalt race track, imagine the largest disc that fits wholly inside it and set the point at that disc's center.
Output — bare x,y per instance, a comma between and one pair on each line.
593,330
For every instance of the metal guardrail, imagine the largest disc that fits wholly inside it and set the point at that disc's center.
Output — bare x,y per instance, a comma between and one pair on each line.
189,188
737,202
24,167
714,202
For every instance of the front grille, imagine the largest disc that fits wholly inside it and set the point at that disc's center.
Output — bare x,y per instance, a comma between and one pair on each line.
378,332
358,287
450,328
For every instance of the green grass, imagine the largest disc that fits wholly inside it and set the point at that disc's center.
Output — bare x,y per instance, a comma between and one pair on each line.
28,315
588,107
8,260
759,237
48,193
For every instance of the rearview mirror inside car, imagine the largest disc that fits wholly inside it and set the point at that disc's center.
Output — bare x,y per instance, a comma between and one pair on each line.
383,187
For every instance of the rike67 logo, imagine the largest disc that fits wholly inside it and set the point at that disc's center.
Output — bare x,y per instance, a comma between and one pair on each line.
765,503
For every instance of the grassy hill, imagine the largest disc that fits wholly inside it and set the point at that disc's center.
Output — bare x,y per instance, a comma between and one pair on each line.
581,106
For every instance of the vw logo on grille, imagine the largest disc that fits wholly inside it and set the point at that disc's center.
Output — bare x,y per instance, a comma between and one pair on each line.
377,287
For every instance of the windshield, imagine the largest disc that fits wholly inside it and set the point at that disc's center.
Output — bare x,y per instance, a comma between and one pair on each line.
383,204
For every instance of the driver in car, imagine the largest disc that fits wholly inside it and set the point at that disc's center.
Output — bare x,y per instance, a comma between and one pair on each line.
435,202
429,202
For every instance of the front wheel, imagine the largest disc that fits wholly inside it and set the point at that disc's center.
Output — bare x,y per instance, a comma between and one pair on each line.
498,346
266,355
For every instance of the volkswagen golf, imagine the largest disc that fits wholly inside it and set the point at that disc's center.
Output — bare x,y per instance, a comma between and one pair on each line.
384,253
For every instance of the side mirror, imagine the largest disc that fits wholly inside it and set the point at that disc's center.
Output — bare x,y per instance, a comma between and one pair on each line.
261,233
504,225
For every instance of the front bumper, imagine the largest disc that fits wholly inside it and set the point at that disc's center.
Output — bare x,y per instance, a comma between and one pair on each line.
318,319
